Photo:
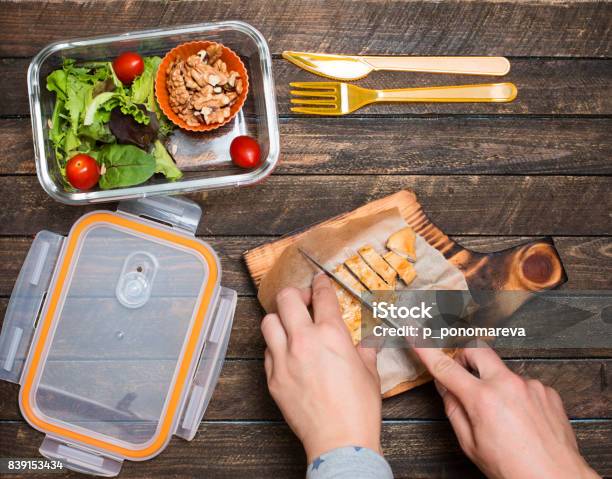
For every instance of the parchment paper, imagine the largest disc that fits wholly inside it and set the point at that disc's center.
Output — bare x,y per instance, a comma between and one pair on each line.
332,245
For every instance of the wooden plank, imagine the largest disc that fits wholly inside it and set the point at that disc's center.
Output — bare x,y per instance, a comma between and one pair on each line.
446,146
16,143
586,259
242,392
14,98
587,262
449,145
263,450
246,341
459,205
546,87
13,251
576,329
499,270
384,27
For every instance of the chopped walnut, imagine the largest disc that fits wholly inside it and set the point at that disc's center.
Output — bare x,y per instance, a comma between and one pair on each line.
214,53
231,80
202,89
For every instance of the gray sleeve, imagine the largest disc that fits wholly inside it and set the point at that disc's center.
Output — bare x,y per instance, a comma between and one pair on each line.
350,462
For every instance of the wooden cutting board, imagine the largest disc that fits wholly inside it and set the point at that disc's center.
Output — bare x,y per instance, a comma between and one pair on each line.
532,266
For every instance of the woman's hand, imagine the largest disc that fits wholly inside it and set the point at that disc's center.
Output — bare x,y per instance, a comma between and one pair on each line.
508,426
327,389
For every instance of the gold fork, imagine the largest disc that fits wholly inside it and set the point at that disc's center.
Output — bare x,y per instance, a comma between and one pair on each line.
336,98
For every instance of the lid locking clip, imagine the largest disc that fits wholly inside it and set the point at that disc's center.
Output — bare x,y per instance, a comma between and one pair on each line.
170,211
80,460
25,304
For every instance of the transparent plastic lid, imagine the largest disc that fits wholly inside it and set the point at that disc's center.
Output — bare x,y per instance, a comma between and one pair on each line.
120,335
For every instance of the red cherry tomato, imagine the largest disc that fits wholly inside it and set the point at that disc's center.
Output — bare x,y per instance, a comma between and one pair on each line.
82,171
244,151
128,66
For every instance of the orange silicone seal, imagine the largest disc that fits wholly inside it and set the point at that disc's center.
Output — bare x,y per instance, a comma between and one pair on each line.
44,335
184,51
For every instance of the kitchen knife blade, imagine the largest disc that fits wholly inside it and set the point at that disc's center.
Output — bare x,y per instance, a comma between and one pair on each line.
351,291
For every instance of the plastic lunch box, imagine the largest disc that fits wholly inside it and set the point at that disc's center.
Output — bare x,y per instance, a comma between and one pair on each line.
117,333
257,118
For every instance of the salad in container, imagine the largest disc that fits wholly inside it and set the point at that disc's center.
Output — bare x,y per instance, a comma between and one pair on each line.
153,112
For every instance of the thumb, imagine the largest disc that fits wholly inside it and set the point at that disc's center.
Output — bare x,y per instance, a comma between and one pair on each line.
368,357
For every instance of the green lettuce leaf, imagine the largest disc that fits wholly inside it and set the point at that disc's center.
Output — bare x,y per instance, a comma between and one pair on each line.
143,87
124,165
71,143
56,82
56,132
97,131
143,92
130,108
95,104
164,163
78,96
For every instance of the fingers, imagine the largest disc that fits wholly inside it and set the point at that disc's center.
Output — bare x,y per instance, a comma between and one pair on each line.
457,416
268,363
324,301
368,356
306,294
484,360
556,401
448,372
274,334
292,310
553,410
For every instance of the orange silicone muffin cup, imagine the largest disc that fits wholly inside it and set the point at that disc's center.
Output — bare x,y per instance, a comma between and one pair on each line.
184,51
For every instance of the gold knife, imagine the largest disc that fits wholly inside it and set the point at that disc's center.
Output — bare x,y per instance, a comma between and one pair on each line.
351,67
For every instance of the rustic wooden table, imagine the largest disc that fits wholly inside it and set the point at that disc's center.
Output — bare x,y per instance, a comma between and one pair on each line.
489,175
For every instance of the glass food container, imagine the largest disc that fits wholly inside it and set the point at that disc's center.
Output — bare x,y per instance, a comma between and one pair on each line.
117,334
206,154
